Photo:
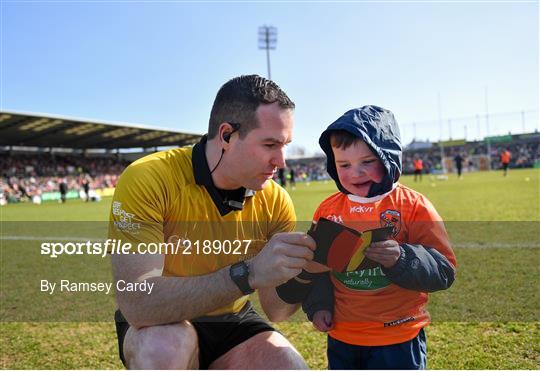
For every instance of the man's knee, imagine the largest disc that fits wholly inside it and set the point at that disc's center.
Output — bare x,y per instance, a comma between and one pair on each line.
267,350
287,357
162,347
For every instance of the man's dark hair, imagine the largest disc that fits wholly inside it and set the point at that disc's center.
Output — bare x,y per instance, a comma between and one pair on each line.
239,98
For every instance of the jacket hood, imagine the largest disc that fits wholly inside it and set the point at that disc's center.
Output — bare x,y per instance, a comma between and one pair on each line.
378,128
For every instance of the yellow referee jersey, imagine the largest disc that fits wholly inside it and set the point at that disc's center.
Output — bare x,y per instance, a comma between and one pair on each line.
167,202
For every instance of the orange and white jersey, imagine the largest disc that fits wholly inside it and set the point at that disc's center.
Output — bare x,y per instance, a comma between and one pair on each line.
369,309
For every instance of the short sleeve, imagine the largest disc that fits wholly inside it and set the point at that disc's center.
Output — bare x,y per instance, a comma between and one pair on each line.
137,211
427,228
284,215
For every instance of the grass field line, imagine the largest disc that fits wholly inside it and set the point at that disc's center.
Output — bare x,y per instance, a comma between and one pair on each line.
497,245
467,245
52,238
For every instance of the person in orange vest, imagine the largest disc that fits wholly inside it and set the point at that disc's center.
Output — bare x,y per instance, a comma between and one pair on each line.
418,167
505,160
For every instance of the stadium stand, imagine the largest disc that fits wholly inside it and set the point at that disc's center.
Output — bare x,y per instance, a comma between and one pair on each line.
40,152
35,130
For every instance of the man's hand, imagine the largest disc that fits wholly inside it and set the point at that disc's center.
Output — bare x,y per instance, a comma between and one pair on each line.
281,259
322,321
385,252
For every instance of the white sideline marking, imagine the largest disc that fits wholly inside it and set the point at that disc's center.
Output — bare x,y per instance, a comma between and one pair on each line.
51,238
468,245
476,245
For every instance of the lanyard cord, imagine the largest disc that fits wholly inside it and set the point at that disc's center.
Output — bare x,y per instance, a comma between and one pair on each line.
215,167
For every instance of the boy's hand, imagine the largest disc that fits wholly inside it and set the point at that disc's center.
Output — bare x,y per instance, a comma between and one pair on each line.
322,320
385,252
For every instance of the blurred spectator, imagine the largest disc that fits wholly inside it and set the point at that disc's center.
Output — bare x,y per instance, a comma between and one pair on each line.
458,159
292,177
418,164
281,177
62,187
505,160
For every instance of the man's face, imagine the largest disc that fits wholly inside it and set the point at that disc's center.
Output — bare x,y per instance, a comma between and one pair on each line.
253,160
358,168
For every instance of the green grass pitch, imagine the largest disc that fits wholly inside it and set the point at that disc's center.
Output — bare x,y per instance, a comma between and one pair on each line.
489,318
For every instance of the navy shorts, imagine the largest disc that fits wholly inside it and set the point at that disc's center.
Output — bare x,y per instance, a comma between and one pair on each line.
217,334
410,355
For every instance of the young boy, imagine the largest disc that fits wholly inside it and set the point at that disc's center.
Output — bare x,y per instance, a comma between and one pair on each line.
375,315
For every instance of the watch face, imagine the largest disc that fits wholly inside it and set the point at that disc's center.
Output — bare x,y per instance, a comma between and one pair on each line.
239,273
238,270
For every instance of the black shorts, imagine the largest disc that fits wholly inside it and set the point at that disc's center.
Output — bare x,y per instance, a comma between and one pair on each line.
217,334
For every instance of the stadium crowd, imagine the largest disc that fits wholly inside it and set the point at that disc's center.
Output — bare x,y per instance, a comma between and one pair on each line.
27,177
523,155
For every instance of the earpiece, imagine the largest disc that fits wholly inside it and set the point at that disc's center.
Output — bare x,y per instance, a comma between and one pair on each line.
227,136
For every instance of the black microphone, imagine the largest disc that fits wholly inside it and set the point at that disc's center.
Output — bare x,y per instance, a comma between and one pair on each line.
233,204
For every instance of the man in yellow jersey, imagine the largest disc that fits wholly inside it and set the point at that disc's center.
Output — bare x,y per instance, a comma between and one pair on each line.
228,229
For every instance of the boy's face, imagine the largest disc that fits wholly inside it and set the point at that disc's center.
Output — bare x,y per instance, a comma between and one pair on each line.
358,168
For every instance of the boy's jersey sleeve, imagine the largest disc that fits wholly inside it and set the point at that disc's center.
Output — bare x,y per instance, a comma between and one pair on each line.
137,211
427,229
427,262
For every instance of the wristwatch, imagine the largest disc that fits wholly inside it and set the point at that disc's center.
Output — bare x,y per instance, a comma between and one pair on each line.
239,273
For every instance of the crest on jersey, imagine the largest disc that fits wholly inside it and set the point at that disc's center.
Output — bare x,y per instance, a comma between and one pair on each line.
391,218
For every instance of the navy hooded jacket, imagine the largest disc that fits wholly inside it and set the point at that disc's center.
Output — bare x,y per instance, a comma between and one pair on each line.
378,128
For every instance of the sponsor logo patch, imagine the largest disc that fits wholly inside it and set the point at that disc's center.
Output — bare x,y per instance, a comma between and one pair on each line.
399,321
361,209
335,218
124,222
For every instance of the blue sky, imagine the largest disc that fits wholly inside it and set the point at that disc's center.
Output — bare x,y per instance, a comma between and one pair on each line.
161,63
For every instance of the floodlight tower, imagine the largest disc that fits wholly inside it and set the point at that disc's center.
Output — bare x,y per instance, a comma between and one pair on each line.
443,166
267,41
488,140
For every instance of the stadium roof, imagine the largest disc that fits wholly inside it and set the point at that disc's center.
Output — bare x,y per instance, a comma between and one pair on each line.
43,130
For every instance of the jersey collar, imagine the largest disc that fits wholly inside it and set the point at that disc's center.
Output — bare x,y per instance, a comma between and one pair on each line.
233,200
